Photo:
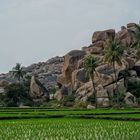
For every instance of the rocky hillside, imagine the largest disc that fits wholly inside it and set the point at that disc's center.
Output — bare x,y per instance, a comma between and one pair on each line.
46,72
73,78
68,73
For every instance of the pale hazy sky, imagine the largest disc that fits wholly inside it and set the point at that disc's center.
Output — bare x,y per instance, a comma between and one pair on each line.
35,30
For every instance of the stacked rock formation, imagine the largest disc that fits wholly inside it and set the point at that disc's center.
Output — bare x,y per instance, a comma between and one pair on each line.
74,78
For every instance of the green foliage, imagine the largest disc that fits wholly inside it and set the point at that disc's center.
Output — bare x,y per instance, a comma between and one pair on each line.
15,94
26,83
134,87
80,104
18,93
90,64
18,72
51,104
113,53
68,101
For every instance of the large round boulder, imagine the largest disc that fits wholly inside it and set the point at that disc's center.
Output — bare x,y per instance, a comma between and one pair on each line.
106,35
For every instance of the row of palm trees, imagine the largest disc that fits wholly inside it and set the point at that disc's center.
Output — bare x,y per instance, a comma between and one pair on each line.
113,54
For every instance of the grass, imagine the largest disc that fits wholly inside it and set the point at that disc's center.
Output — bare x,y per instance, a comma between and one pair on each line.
21,113
68,129
69,124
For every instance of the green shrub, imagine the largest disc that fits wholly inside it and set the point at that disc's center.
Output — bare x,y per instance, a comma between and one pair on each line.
134,87
68,100
51,104
15,94
80,104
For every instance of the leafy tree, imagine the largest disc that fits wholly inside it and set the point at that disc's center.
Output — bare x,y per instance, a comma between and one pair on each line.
113,55
16,93
18,72
90,64
134,87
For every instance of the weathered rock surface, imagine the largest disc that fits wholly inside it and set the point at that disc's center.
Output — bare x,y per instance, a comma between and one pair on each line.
62,92
87,90
130,99
47,72
37,91
102,96
112,87
74,74
124,37
106,35
91,107
68,73
79,78
70,63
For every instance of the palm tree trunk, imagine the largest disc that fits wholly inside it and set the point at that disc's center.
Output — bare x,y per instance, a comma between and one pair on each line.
94,92
117,91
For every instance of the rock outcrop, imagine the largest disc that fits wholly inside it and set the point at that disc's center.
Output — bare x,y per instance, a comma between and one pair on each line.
74,73
47,72
37,91
106,35
71,63
68,74
130,99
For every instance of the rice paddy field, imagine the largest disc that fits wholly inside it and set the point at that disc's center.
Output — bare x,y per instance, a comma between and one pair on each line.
69,124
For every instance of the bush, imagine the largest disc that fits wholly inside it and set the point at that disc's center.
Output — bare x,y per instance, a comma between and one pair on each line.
68,100
134,87
80,104
51,104
15,94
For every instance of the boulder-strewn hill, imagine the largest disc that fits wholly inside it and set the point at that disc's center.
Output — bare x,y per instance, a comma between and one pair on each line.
73,78
46,72
69,74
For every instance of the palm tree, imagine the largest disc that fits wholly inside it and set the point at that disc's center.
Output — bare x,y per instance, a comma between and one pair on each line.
113,55
90,64
18,72
136,34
